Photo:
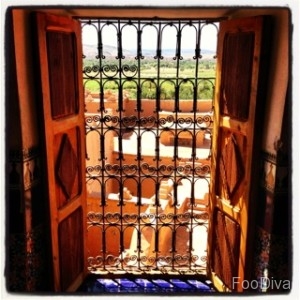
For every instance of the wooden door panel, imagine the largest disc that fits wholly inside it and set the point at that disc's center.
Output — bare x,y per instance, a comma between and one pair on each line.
239,100
67,166
226,242
231,168
236,81
62,73
71,248
62,113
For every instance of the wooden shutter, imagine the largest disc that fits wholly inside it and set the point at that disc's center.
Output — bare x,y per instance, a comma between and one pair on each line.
239,101
62,109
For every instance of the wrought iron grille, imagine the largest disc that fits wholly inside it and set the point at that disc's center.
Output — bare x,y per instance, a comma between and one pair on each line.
149,116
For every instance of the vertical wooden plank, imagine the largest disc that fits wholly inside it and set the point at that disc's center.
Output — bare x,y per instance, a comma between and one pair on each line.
71,248
236,74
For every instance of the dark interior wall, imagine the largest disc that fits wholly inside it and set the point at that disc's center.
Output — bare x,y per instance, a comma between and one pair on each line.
14,215
13,129
27,237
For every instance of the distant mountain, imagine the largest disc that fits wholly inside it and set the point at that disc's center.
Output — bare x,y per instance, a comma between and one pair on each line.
90,51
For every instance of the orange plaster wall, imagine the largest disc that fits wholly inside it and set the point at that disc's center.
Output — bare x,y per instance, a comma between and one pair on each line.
25,84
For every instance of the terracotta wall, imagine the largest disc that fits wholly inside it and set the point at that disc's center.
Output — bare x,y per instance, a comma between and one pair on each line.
148,106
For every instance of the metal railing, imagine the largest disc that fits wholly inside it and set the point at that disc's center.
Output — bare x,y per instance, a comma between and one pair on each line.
149,115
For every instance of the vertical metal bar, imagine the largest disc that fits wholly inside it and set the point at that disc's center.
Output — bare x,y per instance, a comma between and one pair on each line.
102,142
198,41
178,44
121,239
139,139
190,244
158,57
100,57
194,140
120,133
176,156
119,42
156,249
157,148
175,194
102,146
157,139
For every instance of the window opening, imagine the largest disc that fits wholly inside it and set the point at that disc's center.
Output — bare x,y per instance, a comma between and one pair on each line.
149,89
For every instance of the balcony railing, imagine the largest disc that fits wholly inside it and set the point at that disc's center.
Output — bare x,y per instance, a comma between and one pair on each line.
148,158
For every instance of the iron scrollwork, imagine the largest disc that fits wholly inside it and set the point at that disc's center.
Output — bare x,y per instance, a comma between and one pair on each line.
142,136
